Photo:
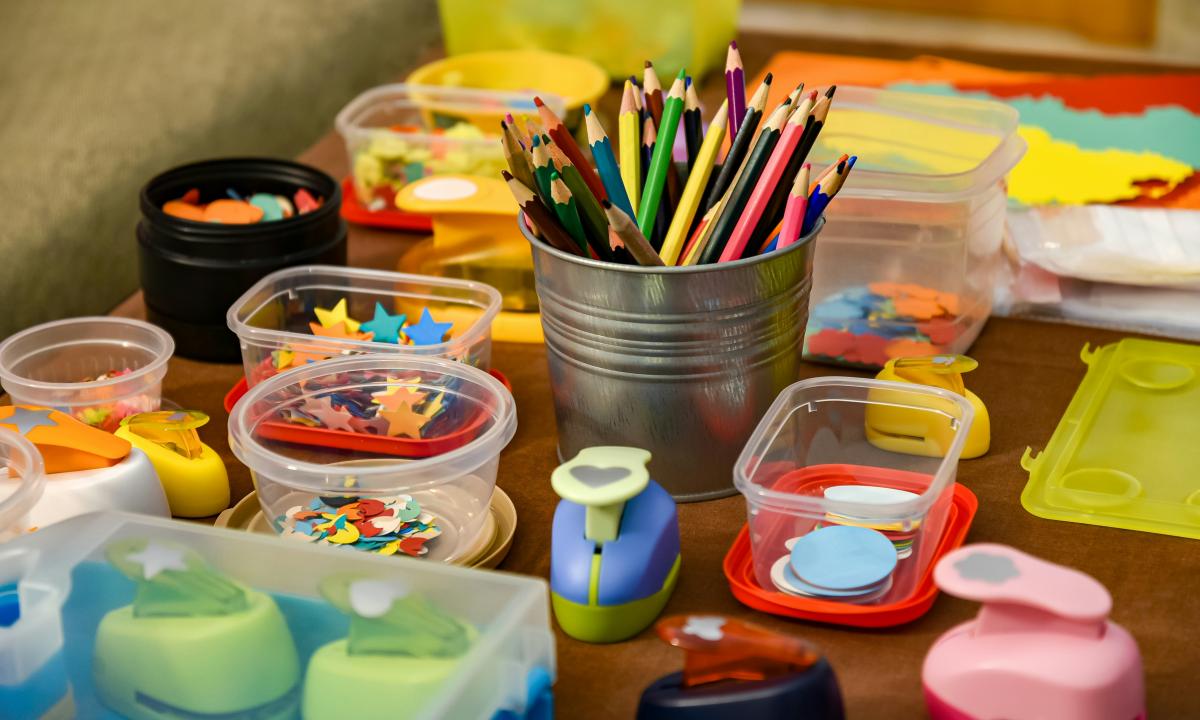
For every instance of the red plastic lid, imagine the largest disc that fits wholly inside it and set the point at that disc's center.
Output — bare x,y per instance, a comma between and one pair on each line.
739,570
389,218
341,439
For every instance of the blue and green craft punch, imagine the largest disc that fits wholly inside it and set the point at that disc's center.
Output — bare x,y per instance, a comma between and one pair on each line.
614,553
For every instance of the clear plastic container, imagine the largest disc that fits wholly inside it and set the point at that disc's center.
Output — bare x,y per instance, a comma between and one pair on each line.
55,365
399,133
448,470
22,482
69,590
835,431
275,316
907,262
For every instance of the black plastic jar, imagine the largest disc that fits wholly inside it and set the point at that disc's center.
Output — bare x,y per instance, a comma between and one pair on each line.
191,272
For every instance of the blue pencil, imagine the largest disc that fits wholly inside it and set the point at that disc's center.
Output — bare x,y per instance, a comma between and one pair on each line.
606,162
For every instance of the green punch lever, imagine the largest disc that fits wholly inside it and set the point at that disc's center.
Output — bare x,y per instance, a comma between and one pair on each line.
602,479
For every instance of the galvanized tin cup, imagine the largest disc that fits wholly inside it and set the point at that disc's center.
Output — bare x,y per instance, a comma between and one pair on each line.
681,361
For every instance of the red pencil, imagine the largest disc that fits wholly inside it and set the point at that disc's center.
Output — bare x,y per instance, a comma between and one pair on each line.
793,215
562,137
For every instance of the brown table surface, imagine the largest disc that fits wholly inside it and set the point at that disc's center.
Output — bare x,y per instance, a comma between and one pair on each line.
1028,373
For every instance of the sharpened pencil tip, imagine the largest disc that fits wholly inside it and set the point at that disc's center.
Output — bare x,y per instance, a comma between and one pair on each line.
506,175
538,101
649,64
832,89
587,109
768,78
682,75
733,44
606,204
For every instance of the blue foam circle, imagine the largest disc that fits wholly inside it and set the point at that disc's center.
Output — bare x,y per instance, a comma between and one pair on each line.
843,557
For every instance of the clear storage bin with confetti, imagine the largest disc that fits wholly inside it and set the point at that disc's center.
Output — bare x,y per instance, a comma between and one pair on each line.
314,312
97,369
848,483
383,453
399,133
907,262
112,615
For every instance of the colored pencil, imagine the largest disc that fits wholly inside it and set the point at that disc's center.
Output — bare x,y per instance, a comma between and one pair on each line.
794,96
630,127
735,88
595,223
747,178
649,138
542,167
547,225
563,138
514,155
693,125
823,193
700,236
764,187
697,181
775,207
630,236
606,163
664,145
739,145
563,204
793,215
654,94
833,167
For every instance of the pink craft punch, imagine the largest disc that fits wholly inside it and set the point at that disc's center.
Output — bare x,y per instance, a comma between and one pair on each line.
1041,647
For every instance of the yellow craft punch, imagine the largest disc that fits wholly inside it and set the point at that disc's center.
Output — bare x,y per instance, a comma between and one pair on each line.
475,237
191,473
915,432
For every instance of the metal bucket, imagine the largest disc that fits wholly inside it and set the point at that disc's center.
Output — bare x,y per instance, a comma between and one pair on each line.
681,361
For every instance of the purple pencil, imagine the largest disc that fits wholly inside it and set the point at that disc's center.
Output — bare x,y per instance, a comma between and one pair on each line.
735,88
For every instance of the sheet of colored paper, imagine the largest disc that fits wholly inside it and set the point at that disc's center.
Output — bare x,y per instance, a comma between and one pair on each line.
1109,94
1185,195
818,70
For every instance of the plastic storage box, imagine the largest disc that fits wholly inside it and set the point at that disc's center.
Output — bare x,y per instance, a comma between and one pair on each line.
831,432
21,484
56,365
419,438
618,36
276,315
907,262
74,650
399,133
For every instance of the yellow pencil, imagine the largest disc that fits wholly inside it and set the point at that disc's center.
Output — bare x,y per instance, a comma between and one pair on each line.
696,182
629,135
703,233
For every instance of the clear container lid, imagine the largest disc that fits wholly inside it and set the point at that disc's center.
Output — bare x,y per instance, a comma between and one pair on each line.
21,483
47,362
919,147
822,421
450,419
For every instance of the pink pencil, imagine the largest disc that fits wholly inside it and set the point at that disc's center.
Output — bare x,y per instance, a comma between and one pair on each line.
765,188
793,215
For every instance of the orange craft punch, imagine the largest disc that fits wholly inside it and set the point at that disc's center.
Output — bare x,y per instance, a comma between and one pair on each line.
736,669
905,431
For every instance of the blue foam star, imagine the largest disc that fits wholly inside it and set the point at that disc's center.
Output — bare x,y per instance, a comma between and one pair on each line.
427,332
26,419
386,327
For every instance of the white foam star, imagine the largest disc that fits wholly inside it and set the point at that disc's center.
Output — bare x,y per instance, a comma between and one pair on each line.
705,628
155,558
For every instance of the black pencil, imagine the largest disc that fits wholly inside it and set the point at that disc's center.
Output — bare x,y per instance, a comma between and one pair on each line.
738,147
693,125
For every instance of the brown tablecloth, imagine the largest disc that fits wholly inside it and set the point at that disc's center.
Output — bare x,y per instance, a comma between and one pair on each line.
1028,373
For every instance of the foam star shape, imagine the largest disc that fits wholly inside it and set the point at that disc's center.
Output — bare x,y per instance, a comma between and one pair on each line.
332,418
329,318
386,328
402,397
404,421
26,419
338,330
155,558
434,406
427,331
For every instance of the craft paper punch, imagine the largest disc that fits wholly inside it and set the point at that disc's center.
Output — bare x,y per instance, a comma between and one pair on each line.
737,669
86,468
192,474
1041,647
399,645
896,429
614,552
193,644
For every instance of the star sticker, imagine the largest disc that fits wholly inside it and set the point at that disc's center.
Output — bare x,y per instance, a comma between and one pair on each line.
329,318
155,558
434,406
404,421
281,359
338,330
426,331
401,397
332,418
26,419
386,328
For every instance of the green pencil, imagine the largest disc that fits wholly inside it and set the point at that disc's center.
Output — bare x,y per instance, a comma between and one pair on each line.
566,210
659,163
542,167
595,222
746,180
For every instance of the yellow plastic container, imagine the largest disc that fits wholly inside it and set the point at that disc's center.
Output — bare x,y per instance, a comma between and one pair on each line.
475,237
616,34
1125,454
574,79
898,429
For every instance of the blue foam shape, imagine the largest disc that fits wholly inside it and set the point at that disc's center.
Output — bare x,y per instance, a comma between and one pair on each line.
798,584
837,309
843,557
637,563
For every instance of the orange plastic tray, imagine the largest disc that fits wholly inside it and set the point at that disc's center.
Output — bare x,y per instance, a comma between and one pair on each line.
739,570
391,219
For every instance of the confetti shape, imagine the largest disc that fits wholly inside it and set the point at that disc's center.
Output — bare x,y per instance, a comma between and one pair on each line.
329,318
385,327
427,331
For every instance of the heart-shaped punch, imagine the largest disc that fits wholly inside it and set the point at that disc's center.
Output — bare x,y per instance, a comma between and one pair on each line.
596,477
